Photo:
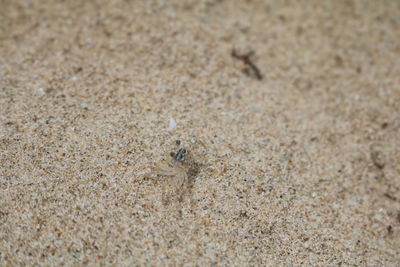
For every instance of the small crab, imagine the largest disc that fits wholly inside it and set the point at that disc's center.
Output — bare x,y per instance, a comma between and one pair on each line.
176,175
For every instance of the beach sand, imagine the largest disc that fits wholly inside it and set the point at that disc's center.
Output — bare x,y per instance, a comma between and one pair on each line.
289,112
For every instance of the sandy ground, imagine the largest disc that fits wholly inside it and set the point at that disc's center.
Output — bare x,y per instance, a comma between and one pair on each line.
298,167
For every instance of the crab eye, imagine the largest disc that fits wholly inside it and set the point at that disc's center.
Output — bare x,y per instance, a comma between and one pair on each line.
179,155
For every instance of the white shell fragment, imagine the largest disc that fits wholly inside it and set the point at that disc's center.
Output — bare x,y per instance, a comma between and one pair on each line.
172,124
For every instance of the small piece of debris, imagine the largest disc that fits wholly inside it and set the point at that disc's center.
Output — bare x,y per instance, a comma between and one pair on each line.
40,92
389,196
251,69
378,159
172,124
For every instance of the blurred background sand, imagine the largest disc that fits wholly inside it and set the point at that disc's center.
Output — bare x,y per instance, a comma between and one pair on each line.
301,167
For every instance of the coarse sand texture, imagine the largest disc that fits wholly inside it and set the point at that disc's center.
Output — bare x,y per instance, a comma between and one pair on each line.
200,133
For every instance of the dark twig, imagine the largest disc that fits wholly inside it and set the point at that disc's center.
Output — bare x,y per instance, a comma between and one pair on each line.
251,69
389,196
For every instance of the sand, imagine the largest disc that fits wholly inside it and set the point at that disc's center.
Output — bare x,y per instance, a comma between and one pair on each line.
299,167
